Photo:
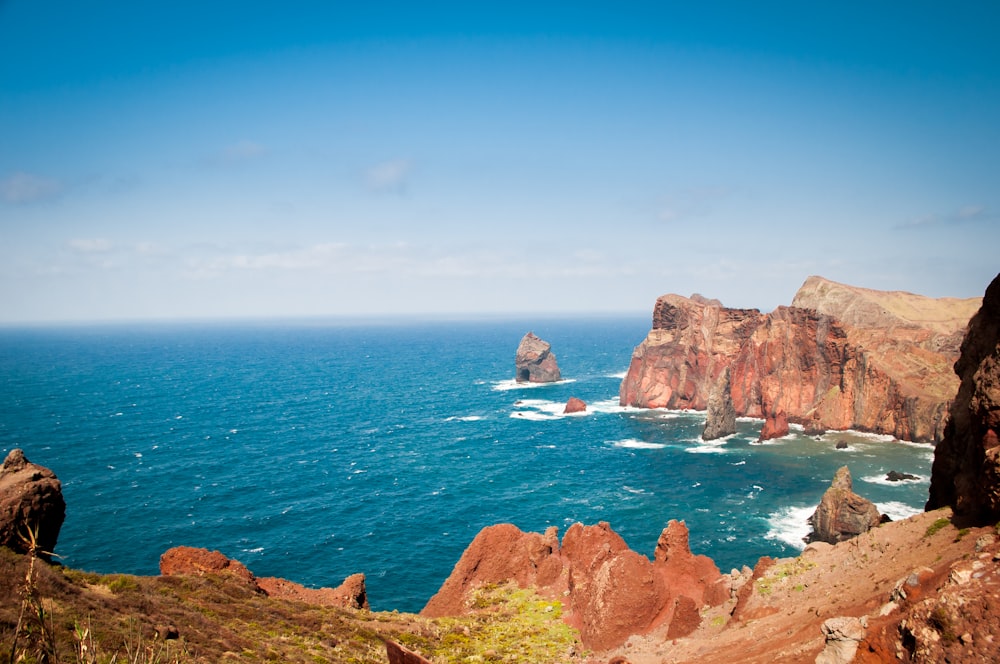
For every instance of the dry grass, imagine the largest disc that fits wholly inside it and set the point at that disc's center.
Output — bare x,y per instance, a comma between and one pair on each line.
95,619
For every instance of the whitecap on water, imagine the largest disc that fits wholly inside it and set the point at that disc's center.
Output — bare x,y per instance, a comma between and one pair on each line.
620,375
897,510
512,384
790,525
881,479
635,444
465,418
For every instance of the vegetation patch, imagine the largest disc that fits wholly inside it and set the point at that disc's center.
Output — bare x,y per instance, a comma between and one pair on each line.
936,526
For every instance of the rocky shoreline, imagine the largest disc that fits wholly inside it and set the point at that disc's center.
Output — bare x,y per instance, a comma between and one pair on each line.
923,589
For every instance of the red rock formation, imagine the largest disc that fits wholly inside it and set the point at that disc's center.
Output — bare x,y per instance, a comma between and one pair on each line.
351,594
31,500
888,377
574,405
397,654
188,560
966,470
500,553
192,561
720,420
609,591
534,361
841,513
775,426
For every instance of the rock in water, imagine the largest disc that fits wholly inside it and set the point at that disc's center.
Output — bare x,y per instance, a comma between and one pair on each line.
575,405
30,500
896,476
842,514
720,420
775,426
535,362
966,470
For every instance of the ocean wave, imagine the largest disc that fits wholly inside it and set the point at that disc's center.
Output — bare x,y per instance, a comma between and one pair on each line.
711,447
464,418
512,384
881,479
790,525
635,444
897,510
620,375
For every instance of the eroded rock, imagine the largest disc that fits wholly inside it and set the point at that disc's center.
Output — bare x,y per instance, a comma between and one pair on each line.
841,513
31,501
534,361
720,420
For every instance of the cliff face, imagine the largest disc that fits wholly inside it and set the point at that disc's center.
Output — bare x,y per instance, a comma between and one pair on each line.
966,470
882,372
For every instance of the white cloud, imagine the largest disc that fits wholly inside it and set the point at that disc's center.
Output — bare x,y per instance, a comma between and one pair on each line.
27,188
389,176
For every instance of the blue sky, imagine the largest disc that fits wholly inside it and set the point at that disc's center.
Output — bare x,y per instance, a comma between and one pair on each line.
242,159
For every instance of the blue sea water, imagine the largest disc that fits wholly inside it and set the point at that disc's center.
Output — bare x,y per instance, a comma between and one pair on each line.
313,450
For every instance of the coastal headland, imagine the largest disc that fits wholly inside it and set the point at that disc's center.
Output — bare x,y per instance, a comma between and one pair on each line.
922,589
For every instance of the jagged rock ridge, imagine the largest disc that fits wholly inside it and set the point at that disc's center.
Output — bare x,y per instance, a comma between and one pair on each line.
610,592
884,373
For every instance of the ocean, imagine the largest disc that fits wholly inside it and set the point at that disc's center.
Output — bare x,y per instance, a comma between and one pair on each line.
312,450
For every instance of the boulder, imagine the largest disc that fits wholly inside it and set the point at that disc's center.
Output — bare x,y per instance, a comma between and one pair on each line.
896,476
966,470
720,420
534,361
842,636
31,501
842,514
574,405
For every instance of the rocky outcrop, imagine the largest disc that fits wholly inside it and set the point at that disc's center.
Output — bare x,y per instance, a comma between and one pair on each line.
574,405
351,594
882,373
192,561
720,420
534,361
609,591
397,654
775,426
841,513
31,503
966,470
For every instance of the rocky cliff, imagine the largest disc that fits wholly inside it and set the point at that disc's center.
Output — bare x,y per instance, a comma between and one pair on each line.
839,358
610,592
966,470
31,505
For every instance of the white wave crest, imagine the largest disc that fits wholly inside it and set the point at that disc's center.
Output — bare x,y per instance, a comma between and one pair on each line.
620,375
790,525
898,511
635,444
512,384
465,418
881,479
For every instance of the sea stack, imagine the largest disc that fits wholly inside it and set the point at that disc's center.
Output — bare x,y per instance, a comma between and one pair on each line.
720,420
535,362
842,514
